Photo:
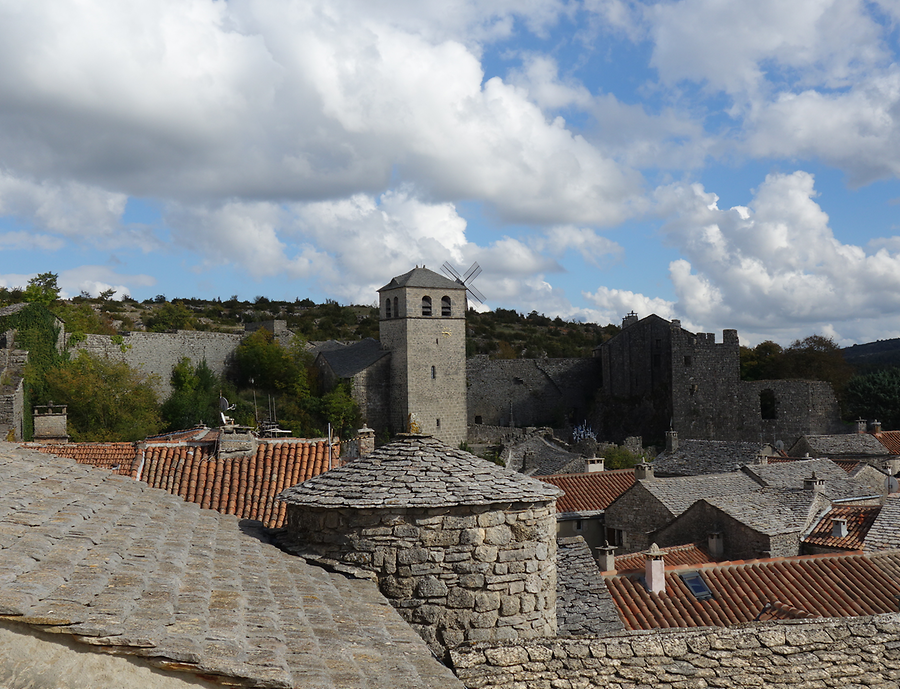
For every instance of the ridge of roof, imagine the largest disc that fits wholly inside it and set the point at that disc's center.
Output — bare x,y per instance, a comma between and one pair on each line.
418,471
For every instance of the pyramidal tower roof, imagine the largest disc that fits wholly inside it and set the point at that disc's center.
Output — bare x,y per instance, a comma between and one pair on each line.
422,277
418,471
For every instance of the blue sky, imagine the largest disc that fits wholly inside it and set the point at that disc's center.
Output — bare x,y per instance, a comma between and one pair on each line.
733,165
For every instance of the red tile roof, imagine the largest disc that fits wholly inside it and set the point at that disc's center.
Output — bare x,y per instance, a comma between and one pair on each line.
832,585
891,440
244,486
117,457
592,491
691,554
859,521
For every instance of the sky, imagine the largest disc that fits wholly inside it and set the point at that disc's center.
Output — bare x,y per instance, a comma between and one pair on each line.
730,164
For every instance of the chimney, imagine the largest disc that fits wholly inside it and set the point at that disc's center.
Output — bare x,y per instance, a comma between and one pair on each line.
643,470
606,557
594,464
676,323
716,545
813,482
762,458
839,527
876,426
655,570
630,319
671,441
366,440
861,426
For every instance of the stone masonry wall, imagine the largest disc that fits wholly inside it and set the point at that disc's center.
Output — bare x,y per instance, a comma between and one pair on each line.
484,573
807,654
157,353
530,392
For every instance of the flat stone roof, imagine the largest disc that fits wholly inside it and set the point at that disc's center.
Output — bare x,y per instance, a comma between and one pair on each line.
418,471
137,571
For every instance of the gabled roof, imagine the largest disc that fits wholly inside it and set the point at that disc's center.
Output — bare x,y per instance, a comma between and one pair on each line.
583,603
695,457
422,277
772,511
349,360
418,471
842,585
690,554
884,534
792,474
679,493
859,521
135,571
590,492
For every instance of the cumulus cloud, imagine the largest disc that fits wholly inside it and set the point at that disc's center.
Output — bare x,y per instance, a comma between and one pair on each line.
613,304
774,266
593,247
97,279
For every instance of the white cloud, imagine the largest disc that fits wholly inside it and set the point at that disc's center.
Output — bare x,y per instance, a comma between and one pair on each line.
593,247
97,279
774,266
614,304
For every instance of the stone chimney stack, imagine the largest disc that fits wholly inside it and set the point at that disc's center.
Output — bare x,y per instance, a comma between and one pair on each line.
671,441
643,470
861,426
655,570
839,527
630,319
594,464
876,426
716,545
366,440
813,482
606,557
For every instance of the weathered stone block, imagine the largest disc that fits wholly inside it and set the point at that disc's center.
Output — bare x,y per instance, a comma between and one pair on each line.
486,553
460,598
431,587
487,600
471,536
498,535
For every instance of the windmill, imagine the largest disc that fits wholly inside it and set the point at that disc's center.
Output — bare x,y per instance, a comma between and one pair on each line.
466,280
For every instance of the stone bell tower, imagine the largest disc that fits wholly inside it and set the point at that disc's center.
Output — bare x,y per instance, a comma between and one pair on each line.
423,324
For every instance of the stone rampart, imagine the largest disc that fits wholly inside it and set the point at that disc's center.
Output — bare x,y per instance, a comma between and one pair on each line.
839,652
157,353
469,573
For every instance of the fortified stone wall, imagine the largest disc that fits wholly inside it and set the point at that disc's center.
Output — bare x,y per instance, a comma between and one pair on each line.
530,392
801,407
157,353
372,391
12,391
842,652
637,361
473,573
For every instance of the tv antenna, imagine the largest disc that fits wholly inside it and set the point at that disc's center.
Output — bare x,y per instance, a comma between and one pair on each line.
466,280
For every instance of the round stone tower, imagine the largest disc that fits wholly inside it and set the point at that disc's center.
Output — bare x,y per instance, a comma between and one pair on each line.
463,548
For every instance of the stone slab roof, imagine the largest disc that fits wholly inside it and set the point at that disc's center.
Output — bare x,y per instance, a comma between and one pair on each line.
884,533
418,471
772,511
679,493
584,605
695,457
245,486
349,360
776,588
838,484
858,444
422,277
859,522
131,570
590,492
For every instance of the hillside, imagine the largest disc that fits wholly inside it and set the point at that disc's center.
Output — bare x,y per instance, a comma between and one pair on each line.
873,355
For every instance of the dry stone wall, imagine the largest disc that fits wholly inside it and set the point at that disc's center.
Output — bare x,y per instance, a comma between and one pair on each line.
472,573
807,654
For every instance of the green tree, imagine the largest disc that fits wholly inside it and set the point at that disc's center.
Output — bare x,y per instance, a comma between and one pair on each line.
817,358
875,396
340,410
107,400
261,362
619,457
763,362
171,316
194,398
42,289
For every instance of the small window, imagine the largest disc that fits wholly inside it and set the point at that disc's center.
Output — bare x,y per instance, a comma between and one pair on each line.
579,525
693,388
687,361
396,308
615,537
437,423
445,307
657,360
478,419
697,586
426,306
433,373
387,305
768,405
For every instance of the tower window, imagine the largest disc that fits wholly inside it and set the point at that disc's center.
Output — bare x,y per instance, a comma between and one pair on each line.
433,373
387,304
396,308
426,306
445,307
687,360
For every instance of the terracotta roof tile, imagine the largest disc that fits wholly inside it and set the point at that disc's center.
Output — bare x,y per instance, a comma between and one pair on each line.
841,585
691,554
859,521
891,440
592,491
244,486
